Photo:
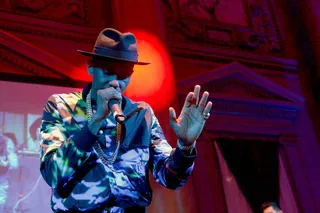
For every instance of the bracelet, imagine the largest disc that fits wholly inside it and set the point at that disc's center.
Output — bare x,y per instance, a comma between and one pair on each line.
193,145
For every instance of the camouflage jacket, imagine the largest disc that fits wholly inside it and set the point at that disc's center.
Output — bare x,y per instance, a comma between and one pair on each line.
67,160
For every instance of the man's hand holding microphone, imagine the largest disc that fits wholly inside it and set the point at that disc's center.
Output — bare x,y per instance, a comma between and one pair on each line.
108,100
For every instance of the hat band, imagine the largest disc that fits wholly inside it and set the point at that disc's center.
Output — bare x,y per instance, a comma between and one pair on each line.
129,56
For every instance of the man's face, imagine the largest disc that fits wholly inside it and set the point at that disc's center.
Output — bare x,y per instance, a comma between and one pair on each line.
270,209
107,73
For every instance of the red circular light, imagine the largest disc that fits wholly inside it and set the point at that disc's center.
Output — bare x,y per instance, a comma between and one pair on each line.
153,83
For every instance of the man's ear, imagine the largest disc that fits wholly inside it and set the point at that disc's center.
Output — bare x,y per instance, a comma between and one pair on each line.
90,66
90,70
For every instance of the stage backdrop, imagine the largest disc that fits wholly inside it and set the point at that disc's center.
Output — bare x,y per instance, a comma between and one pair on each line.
21,108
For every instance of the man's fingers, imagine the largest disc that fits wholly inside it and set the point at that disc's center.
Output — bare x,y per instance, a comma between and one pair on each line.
196,93
109,93
203,100
189,100
172,114
208,107
173,119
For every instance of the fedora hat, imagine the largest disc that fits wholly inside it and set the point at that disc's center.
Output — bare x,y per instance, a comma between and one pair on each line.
112,44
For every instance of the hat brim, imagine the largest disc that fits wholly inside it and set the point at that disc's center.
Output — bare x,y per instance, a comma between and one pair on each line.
91,54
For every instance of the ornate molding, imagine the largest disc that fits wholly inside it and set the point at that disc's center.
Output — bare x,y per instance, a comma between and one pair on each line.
44,30
253,91
284,139
45,33
237,80
249,109
260,33
67,11
213,135
256,64
243,108
30,67
19,48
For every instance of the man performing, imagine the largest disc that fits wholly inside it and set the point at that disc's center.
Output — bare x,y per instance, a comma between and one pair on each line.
97,146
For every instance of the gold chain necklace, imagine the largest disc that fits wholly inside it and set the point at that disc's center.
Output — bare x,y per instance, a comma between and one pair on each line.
107,160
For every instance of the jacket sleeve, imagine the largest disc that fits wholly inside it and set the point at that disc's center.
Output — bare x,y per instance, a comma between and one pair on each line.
62,152
170,167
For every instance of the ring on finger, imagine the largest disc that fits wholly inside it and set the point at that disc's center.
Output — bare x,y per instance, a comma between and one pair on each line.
206,116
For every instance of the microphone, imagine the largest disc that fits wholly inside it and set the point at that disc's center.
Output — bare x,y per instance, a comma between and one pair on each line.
114,106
